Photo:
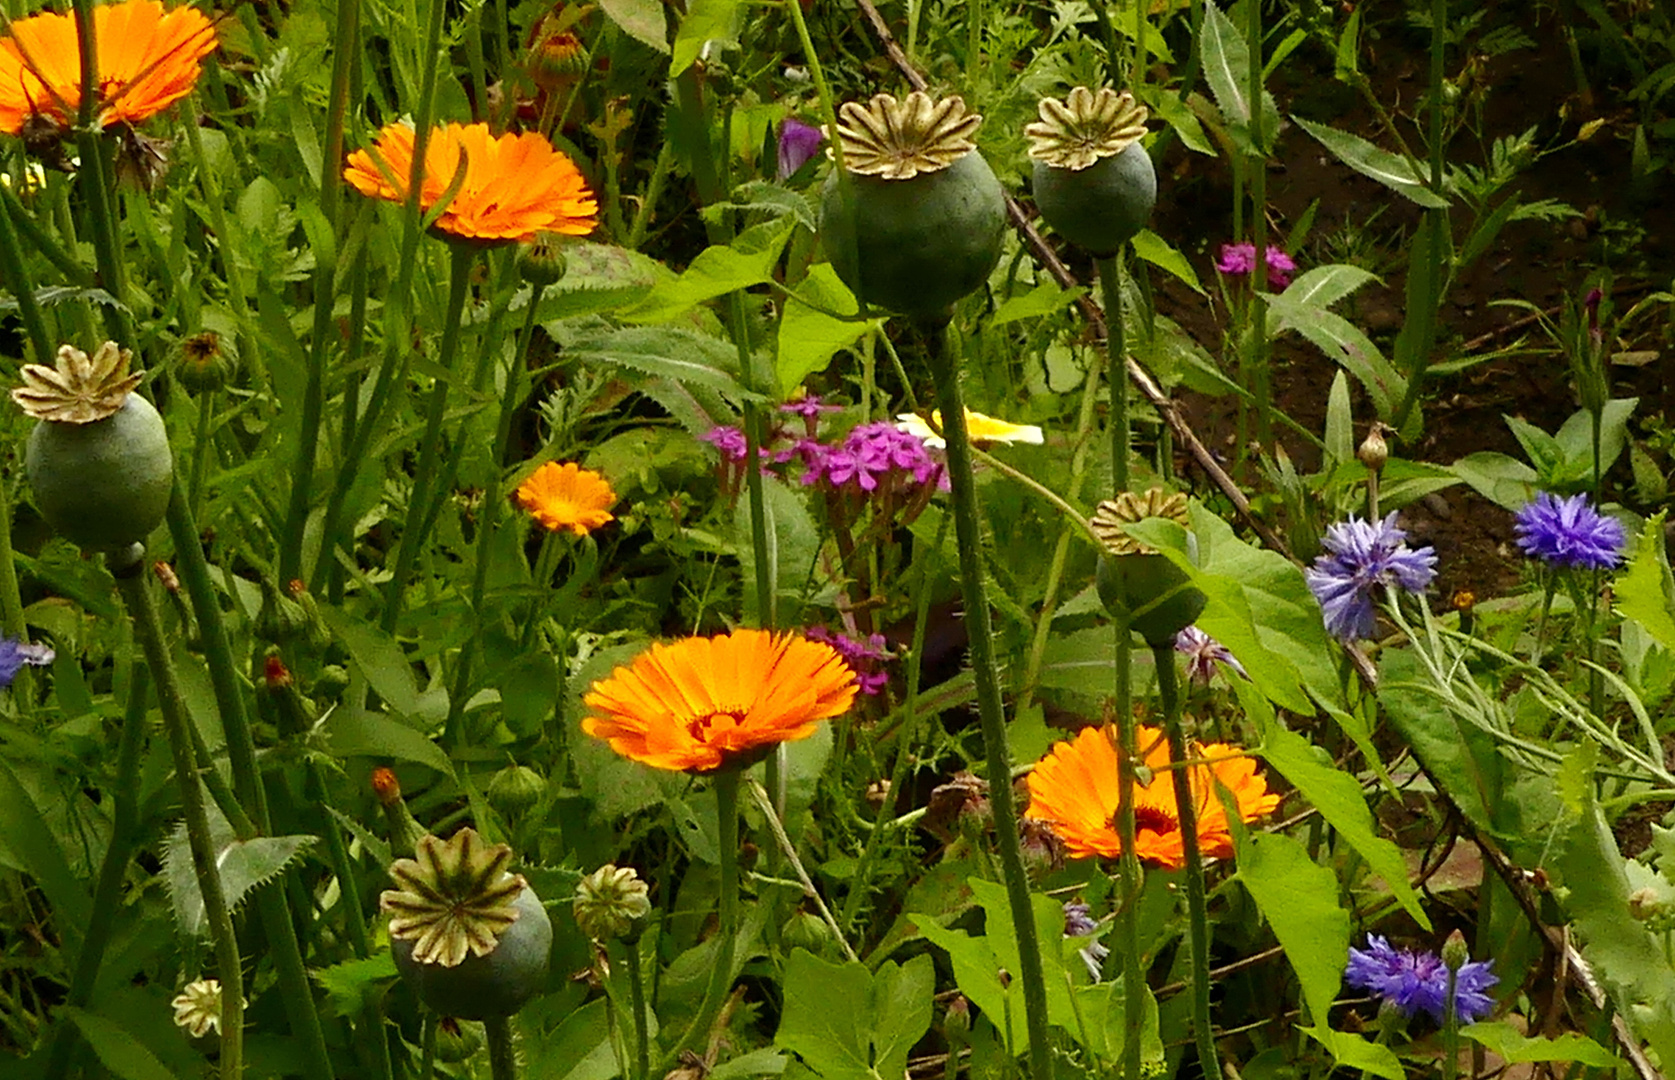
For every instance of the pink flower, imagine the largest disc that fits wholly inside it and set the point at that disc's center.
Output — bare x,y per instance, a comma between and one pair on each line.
1237,260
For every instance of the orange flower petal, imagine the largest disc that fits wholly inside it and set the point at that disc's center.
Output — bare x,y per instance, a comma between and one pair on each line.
700,704
515,185
1075,789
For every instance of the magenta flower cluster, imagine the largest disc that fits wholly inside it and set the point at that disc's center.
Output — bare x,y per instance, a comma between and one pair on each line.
872,459
1238,260
865,657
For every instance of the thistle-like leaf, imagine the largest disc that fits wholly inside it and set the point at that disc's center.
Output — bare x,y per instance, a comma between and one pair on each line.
80,389
1110,517
1084,127
244,865
898,140
454,898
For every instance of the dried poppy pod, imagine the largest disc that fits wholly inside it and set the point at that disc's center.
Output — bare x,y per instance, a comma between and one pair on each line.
1132,576
1094,182
927,214
471,938
98,461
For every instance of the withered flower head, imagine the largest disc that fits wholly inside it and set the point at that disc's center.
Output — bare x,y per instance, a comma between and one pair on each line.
898,140
1084,127
1110,517
81,389
455,898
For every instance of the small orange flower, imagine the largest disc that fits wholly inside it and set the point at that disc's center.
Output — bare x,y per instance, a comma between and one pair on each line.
703,704
148,60
1075,789
567,497
515,185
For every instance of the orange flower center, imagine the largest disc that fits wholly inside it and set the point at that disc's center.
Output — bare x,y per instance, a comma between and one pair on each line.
704,728
1153,819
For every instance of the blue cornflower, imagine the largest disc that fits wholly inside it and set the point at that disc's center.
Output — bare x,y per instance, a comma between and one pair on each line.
1079,922
1361,555
1414,982
1203,653
15,654
1569,532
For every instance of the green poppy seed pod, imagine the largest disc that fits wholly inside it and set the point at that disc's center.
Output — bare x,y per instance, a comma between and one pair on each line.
925,217
1137,583
515,790
206,362
1094,182
98,461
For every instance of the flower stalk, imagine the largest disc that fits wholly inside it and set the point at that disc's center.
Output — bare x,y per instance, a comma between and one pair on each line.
726,785
991,710
503,1058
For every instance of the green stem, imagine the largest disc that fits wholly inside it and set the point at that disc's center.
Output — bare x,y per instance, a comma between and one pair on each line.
783,839
503,1058
1186,812
201,448
1451,1030
16,280
249,350
460,259
945,370
726,783
637,1001
1116,352
107,895
131,583
95,179
1262,377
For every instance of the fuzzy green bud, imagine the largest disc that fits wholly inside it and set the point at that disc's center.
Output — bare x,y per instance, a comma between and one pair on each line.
515,790
541,261
1455,952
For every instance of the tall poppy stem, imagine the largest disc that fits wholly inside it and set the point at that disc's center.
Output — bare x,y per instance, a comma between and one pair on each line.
726,784
1186,810
460,259
503,1058
945,368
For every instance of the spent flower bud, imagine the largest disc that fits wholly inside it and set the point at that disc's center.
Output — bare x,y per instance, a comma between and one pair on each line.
611,902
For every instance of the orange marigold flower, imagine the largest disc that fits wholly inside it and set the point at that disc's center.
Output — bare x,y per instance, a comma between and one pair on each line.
567,497
1075,789
703,704
148,60
515,185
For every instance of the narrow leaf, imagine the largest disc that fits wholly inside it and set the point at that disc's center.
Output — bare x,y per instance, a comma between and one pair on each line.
1391,170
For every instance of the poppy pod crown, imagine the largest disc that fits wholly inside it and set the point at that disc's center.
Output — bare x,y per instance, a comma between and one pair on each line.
1094,182
1137,583
918,223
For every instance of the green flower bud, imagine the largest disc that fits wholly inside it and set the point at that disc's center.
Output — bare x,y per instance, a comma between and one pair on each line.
515,790
611,902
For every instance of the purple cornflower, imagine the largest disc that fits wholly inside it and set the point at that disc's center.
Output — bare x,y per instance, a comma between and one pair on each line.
1413,981
727,439
865,658
1203,653
1361,555
1569,532
798,142
1079,922
15,654
1237,260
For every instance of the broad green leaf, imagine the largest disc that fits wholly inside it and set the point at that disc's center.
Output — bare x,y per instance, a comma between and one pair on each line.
1340,424
378,657
578,1049
1168,107
1644,591
718,270
1044,299
848,1023
808,336
597,278
28,845
1463,760
641,19
1338,797
116,1048
351,732
1161,254
764,1062
351,984
1576,439
1299,898
1542,449
793,542
1344,343
1227,68
1391,170
528,691
1504,481
1514,1047
242,865
1323,286
665,352
706,20
1355,1052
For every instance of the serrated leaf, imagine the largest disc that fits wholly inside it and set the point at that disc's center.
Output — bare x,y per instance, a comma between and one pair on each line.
665,352
1227,70
1343,342
351,984
765,197
1644,591
642,20
717,270
1391,170
1514,1047
243,865
1324,286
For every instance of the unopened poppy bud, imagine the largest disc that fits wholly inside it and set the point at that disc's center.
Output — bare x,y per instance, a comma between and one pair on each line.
611,902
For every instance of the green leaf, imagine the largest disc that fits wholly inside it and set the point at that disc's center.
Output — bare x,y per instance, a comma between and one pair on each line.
1227,70
1504,481
1576,440
1340,429
1299,898
377,656
1338,797
706,20
1645,591
1514,1047
1044,299
808,337
27,844
1344,343
718,270
642,20
1391,170
847,1023
664,352
351,732
1354,1052
116,1048
242,865
578,1049
598,278
1542,449
1161,254
1324,286
351,984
